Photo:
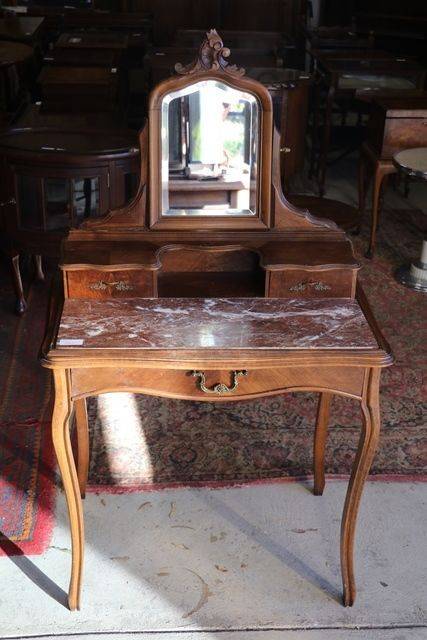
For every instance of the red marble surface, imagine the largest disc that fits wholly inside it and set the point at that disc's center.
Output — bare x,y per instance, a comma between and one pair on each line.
214,323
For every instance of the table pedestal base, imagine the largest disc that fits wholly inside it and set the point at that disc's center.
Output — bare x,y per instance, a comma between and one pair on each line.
414,276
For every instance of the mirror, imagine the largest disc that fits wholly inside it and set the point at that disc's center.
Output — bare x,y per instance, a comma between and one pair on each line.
209,151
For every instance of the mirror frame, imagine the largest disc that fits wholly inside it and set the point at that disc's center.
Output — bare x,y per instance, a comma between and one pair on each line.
211,65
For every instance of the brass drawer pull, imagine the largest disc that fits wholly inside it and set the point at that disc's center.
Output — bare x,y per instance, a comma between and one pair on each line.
317,286
120,285
218,388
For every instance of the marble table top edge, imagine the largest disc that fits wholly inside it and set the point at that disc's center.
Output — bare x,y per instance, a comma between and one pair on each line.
212,325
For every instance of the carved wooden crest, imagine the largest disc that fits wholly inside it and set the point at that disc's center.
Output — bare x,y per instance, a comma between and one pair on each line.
211,57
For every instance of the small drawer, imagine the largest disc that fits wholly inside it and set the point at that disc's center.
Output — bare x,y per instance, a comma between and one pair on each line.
302,283
97,284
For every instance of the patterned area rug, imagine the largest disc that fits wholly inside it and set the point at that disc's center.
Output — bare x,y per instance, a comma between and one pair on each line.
26,455
172,442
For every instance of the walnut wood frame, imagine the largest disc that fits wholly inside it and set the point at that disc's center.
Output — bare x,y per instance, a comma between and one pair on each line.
262,218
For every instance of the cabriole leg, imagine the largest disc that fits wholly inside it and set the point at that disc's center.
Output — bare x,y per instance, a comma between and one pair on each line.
20,305
82,429
39,267
64,454
365,453
320,435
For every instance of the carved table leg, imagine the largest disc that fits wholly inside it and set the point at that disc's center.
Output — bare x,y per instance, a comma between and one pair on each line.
365,453
380,181
20,305
320,435
39,267
364,180
82,429
64,454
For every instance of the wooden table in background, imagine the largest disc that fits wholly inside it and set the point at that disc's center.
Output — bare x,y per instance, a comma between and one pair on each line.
342,74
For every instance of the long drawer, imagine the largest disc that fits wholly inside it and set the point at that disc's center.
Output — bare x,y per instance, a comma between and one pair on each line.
218,385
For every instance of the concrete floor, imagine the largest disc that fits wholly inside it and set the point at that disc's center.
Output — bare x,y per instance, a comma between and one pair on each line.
258,562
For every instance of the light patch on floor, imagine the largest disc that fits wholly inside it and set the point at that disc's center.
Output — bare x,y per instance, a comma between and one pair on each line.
122,408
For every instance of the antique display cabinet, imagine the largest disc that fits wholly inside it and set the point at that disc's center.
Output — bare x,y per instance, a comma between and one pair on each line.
53,180
210,286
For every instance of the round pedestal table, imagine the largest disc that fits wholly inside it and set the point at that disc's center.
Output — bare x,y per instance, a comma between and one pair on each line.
413,162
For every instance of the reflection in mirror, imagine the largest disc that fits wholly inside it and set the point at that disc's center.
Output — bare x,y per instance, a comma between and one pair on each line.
209,151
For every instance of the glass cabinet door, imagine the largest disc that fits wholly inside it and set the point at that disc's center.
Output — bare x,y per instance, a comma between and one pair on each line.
29,202
86,199
57,201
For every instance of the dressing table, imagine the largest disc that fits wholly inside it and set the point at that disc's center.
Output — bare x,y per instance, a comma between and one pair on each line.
214,300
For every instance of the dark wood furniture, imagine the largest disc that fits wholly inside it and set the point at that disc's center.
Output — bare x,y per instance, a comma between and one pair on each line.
88,49
336,37
341,75
288,318
344,215
54,180
105,50
395,123
87,41
15,66
74,89
290,92
413,163
265,43
28,30
160,61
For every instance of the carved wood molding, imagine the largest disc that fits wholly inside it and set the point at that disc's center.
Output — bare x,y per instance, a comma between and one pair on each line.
211,57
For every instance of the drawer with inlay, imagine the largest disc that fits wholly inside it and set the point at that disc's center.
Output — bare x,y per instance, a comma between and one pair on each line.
309,283
100,284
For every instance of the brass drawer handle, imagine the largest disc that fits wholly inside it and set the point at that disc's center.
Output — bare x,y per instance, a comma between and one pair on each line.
120,285
317,286
218,388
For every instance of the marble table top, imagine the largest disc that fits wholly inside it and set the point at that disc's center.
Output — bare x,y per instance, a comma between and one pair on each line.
214,323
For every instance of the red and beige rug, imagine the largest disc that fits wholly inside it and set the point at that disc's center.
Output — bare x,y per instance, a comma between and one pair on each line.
176,443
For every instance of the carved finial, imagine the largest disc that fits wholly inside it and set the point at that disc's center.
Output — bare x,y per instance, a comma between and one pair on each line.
211,57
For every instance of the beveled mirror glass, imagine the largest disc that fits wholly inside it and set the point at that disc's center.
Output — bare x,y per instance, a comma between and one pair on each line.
209,151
